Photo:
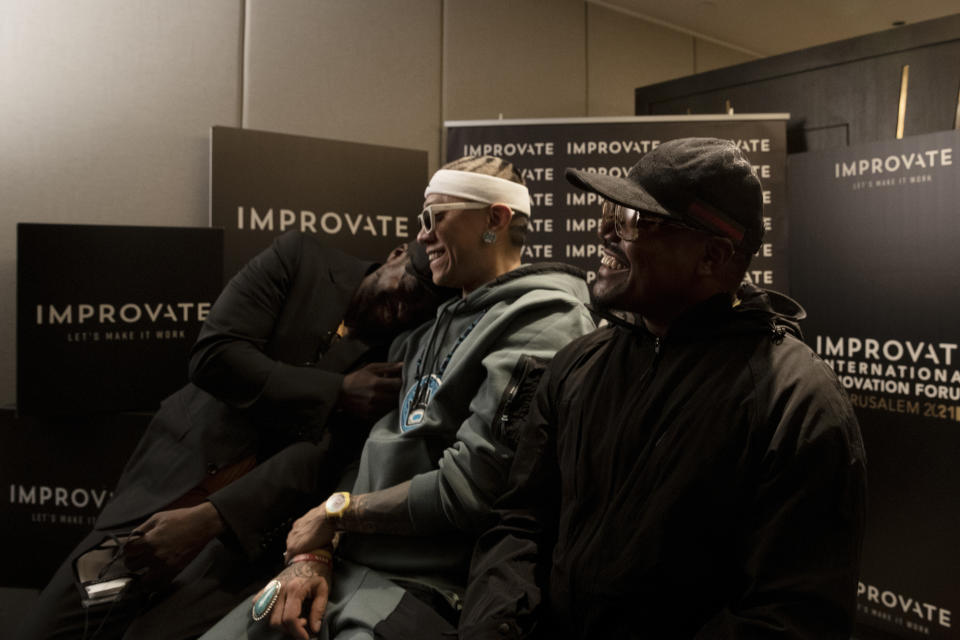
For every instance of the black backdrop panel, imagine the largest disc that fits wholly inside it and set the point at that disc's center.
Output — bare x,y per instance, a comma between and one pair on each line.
564,221
837,94
106,315
874,234
360,198
56,474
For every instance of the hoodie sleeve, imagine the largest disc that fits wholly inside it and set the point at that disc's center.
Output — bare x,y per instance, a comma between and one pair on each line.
472,472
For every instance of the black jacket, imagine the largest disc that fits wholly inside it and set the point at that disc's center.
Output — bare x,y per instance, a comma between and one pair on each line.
263,375
709,484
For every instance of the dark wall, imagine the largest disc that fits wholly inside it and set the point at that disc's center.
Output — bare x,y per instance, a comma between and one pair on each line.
837,94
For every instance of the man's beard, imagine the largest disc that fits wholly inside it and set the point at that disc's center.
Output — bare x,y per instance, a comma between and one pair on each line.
382,316
373,318
608,299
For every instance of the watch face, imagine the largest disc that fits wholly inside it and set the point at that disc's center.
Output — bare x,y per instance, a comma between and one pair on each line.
336,503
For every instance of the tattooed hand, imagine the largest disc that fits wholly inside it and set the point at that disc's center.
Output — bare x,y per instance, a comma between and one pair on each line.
313,530
384,511
302,601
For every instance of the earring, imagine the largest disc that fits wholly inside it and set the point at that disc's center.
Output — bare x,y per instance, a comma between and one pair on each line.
489,237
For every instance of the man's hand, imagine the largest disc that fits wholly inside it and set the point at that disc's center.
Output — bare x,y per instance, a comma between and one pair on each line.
311,531
301,583
371,391
171,539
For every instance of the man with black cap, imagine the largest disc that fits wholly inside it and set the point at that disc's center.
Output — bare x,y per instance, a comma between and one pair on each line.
697,475
291,352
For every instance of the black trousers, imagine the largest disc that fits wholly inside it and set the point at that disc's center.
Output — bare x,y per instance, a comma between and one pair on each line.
418,616
213,584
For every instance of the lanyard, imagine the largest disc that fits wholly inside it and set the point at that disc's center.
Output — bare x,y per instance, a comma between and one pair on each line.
418,397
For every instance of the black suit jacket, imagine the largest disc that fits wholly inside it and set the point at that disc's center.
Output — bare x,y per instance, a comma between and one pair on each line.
263,375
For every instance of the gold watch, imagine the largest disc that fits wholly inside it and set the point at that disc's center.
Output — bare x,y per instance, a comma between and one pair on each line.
337,504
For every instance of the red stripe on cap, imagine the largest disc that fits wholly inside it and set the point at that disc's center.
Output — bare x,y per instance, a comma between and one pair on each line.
716,220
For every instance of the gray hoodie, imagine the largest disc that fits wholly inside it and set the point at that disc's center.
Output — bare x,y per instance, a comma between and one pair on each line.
450,448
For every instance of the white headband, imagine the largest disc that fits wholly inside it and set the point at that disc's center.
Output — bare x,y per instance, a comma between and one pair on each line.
479,187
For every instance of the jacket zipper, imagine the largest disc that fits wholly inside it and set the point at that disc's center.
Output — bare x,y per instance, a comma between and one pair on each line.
644,384
509,395
657,347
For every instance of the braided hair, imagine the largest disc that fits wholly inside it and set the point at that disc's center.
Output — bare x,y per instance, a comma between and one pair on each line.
498,168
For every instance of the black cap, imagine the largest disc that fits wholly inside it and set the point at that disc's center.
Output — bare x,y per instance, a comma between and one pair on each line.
706,183
419,268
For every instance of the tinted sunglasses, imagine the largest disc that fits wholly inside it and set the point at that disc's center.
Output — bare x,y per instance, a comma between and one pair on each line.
629,223
427,216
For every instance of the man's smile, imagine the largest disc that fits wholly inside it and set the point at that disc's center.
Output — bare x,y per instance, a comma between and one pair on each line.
434,254
612,261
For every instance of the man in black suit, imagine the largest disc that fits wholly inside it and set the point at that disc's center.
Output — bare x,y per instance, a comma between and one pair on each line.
269,372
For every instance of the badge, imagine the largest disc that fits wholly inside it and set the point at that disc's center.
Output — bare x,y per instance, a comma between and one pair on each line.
415,402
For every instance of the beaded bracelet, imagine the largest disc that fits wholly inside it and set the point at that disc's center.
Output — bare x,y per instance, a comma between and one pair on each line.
323,556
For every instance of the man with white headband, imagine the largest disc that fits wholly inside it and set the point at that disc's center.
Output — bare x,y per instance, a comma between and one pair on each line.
506,203
432,468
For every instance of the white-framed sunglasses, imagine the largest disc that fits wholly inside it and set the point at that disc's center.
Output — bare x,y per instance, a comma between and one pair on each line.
427,219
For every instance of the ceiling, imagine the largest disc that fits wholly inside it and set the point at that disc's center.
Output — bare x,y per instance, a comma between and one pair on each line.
769,27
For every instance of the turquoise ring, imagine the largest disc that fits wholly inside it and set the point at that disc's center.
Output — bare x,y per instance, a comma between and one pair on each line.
263,604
